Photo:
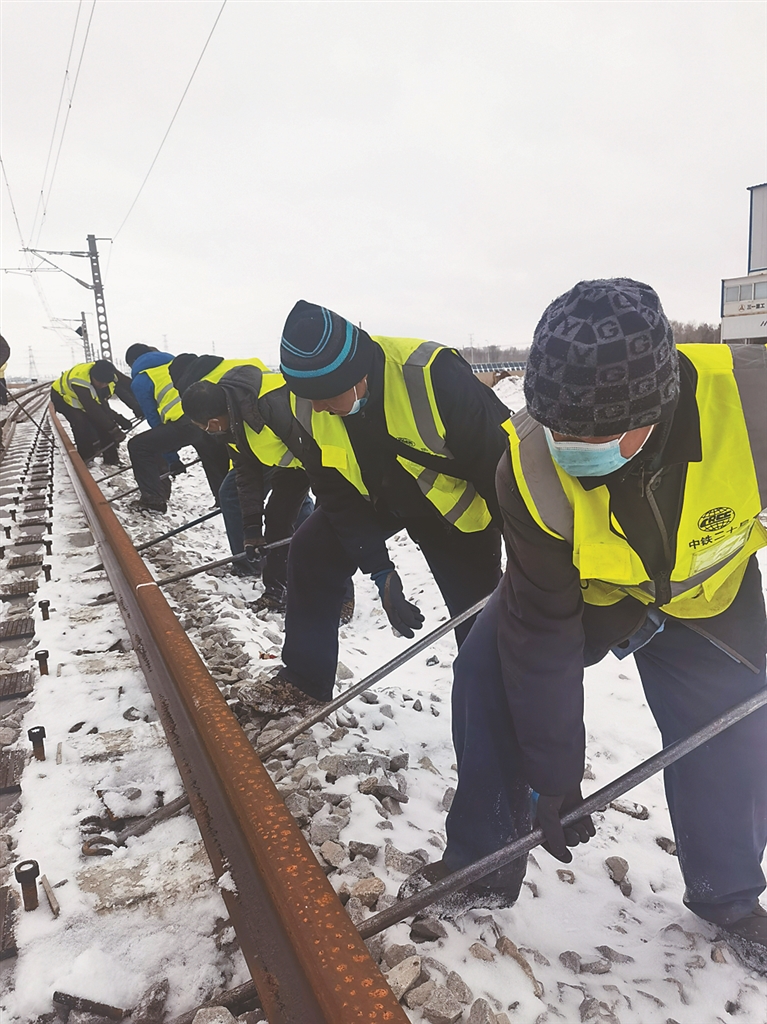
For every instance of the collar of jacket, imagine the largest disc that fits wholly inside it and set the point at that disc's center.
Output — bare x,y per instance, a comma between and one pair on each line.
192,372
242,387
148,360
677,441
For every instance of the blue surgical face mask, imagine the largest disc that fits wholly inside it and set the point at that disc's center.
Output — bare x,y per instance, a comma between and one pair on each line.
578,458
357,404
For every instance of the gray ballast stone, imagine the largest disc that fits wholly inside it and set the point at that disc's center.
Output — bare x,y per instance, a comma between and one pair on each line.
420,994
367,850
213,1015
459,988
404,975
481,1013
395,954
427,929
368,891
442,1007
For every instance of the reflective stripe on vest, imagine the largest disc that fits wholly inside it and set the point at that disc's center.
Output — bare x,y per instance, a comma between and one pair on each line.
723,495
166,397
413,419
264,444
79,375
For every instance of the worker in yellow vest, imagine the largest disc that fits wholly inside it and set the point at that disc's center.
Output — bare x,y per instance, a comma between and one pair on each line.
82,395
154,452
5,355
407,438
630,492
239,405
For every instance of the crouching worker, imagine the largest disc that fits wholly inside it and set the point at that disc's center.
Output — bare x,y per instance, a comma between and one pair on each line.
154,452
82,395
630,494
236,411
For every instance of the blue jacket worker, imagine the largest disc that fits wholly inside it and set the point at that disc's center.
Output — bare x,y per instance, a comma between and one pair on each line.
630,494
154,452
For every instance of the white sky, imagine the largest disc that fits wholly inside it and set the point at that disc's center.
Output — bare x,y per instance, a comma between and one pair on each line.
434,170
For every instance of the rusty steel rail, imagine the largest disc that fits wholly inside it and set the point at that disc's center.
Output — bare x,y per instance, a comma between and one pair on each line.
306,958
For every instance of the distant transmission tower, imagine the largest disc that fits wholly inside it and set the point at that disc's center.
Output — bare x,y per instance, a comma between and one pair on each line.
32,365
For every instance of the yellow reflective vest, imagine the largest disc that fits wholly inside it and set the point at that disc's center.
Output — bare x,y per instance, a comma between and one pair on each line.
724,493
166,397
264,444
79,375
413,419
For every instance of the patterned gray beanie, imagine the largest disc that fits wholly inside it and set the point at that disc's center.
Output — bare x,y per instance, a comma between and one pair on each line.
603,361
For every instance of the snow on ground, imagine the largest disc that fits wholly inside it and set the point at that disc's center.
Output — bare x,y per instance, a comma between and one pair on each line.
663,964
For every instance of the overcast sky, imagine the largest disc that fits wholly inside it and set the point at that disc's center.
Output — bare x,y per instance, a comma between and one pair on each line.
433,170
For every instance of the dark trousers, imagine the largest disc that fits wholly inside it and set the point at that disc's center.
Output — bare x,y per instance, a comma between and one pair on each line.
292,507
717,795
465,566
90,437
146,454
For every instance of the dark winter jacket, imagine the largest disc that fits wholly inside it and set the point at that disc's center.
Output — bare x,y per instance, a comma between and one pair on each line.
547,634
471,413
99,410
288,485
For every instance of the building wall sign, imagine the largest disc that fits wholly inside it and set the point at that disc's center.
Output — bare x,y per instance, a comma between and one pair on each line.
753,325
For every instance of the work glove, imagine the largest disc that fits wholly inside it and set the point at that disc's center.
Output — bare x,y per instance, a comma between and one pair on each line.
253,541
121,421
548,812
117,435
176,468
404,616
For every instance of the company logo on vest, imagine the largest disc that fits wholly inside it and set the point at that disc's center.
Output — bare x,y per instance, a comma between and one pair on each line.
716,519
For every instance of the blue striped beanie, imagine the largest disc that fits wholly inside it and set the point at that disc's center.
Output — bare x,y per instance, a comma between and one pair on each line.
321,354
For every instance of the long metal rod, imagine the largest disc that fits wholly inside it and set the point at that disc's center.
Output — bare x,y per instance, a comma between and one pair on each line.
371,680
218,562
165,536
124,469
305,955
597,801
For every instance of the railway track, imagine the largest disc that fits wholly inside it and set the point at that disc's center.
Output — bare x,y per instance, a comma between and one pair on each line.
302,849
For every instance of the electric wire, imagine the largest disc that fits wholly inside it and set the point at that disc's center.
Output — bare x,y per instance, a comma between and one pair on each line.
175,115
56,120
46,199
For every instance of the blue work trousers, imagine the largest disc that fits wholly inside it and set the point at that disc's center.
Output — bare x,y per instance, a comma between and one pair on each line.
465,566
229,503
717,795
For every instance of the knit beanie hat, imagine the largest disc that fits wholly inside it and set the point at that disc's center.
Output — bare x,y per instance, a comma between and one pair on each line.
322,355
603,361
133,352
103,371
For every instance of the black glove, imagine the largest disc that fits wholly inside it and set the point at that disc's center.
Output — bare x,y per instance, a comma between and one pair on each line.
404,616
176,468
117,435
3,392
253,541
122,422
547,816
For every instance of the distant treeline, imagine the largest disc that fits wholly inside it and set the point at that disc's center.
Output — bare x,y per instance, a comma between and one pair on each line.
494,354
684,334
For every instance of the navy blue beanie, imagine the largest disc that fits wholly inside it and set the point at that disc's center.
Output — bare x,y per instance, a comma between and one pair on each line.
322,355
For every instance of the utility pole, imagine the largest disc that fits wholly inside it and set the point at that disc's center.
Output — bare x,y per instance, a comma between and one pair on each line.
101,310
83,332
32,366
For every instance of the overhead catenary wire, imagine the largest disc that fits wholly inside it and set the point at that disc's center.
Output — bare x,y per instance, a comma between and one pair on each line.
172,120
43,200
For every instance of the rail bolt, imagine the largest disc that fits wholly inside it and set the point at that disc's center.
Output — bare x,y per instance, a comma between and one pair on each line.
13,514
27,873
49,527
8,532
37,735
44,606
47,571
41,657
2,552
48,546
